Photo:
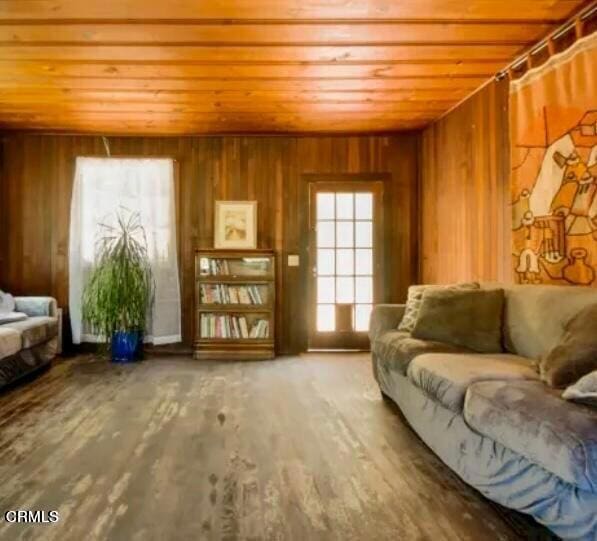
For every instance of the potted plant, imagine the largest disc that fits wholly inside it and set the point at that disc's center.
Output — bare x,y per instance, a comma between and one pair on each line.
120,289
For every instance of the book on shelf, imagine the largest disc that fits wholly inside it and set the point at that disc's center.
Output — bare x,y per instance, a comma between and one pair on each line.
229,326
227,294
260,329
214,267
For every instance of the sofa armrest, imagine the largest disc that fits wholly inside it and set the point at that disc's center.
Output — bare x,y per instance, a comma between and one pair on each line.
385,317
37,306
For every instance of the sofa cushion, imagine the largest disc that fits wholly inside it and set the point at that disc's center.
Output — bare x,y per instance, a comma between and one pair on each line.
415,297
576,355
35,330
447,376
395,349
532,420
10,342
535,316
37,306
467,318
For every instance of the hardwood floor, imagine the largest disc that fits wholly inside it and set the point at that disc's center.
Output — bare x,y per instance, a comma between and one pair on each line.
300,448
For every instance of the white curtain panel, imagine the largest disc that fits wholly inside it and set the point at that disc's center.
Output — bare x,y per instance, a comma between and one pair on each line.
103,186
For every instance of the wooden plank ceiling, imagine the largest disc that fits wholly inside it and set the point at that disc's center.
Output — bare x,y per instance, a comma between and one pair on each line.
235,66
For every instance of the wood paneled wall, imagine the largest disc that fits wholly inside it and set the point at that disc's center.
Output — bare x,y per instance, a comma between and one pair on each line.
37,176
465,192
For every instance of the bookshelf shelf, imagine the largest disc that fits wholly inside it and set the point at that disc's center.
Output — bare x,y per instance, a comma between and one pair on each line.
235,300
252,308
233,280
223,341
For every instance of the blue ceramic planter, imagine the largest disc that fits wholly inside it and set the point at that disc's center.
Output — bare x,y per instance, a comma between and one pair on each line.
127,346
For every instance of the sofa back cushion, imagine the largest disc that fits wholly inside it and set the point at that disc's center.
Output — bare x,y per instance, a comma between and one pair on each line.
535,316
415,298
576,355
467,318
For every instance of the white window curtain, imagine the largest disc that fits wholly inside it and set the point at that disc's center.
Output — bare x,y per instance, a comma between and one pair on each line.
102,186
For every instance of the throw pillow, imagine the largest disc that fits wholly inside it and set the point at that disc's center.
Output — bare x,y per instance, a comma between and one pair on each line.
584,390
468,318
7,303
12,317
576,355
414,298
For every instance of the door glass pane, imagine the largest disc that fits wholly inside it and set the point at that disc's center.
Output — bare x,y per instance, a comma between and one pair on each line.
344,267
326,317
325,289
364,206
364,289
364,261
344,289
344,206
364,234
325,262
345,262
325,206
325,235
362,313
344,234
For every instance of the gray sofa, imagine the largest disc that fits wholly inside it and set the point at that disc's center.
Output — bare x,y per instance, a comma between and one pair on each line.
490,419
30,344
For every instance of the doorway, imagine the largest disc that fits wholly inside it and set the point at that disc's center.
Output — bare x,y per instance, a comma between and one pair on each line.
346,261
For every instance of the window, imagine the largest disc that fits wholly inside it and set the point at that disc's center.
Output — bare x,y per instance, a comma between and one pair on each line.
101,187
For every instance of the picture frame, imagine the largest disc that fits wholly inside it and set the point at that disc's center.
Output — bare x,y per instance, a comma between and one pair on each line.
235,225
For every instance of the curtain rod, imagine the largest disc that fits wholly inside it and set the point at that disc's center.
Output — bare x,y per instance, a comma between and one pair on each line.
583,15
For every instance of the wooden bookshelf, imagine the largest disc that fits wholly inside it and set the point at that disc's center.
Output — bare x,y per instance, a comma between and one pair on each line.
235,304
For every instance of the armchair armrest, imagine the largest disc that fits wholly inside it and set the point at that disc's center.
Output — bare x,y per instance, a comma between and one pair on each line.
37,306
385,317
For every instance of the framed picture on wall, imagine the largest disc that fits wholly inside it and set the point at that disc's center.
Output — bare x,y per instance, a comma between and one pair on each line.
235,225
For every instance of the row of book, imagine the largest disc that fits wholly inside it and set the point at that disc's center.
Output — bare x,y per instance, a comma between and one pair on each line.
214,267
227,326
225,294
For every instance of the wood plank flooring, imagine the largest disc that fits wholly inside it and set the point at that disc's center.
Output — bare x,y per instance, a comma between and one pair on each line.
300,448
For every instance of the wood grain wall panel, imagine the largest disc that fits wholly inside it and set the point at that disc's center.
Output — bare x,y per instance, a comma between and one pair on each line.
36,183
464,192
3,217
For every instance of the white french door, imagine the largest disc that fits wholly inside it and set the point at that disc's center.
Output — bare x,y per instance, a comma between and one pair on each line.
345,251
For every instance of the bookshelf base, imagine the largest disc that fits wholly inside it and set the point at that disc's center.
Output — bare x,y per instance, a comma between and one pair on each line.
240,353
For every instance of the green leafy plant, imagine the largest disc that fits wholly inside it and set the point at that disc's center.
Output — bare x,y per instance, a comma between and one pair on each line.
120,289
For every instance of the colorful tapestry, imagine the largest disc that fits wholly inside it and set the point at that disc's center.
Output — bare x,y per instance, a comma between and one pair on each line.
553,123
